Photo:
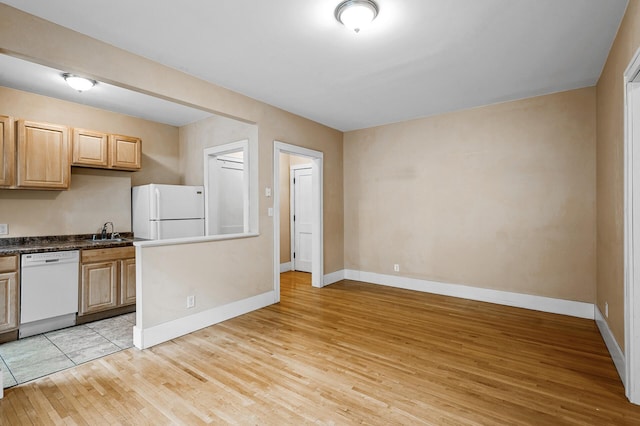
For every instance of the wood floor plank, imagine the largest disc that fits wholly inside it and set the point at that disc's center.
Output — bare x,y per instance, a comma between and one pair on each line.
350,353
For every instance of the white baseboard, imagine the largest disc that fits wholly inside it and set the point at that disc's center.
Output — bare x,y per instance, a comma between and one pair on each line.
519,300
146,338
285,267
333,277
612,345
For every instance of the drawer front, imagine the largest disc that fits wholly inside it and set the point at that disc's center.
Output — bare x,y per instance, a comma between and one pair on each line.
8,263
107,254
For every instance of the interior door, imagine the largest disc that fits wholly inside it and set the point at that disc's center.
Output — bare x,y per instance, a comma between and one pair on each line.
301,219
226,194
230,195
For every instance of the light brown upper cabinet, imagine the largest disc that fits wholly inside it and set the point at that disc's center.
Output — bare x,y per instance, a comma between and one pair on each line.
126,152
89,148
7,152
99,150
44,160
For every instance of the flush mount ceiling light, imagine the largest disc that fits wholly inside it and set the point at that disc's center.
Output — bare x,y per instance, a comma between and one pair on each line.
356,14
80,84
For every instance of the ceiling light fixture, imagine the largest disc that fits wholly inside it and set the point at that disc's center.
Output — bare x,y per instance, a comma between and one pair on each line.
80,84
356,14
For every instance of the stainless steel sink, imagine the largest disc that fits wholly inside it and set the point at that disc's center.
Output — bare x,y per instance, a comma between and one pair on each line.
110,240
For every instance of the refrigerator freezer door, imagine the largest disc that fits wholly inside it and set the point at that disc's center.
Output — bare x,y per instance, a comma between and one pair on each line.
165,229
176,202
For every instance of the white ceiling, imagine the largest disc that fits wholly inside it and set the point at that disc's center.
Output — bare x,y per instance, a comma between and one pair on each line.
418,58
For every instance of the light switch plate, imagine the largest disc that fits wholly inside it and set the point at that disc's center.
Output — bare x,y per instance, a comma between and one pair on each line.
267,192
4,229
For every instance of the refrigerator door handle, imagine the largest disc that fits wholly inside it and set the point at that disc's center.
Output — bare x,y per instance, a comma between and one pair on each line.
157,203
158,228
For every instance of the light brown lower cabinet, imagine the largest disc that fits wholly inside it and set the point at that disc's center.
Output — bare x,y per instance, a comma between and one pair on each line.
108,279
127,281
9,293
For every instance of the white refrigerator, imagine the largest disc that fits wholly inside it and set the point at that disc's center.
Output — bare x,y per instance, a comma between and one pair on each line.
161,212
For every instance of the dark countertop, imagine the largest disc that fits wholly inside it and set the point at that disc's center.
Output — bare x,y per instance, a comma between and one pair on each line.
23,245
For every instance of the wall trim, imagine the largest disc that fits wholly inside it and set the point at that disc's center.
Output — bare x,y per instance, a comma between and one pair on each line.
146,338
285,267
333,277
612,345
519,300
631,96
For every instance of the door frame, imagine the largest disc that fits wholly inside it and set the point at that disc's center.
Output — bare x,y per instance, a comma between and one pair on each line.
292,198
632,231
317,240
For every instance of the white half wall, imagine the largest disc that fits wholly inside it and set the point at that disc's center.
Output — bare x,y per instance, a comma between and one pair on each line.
187,284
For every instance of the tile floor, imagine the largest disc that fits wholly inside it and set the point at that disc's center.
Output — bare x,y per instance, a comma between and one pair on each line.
33,357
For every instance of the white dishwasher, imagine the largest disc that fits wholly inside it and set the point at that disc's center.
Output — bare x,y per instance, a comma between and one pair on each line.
49,291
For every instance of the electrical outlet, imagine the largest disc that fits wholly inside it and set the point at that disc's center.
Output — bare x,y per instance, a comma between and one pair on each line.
4,229
606,309
191,301
396,267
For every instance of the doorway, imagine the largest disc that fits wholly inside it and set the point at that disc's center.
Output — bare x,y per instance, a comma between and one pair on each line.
226,184
314,160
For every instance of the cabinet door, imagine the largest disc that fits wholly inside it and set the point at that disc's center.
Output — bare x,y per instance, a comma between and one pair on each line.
89,148
127,281
7,152
43,156
98,290
126,152
8,301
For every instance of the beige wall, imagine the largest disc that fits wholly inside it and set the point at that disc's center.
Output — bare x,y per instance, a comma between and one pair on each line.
61,48
95,196
286,161
213,131
610,171
499,197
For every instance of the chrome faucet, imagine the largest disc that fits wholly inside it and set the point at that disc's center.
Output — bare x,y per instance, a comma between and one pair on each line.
103,234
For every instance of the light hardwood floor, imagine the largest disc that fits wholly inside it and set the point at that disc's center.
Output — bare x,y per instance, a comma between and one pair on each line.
347,354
